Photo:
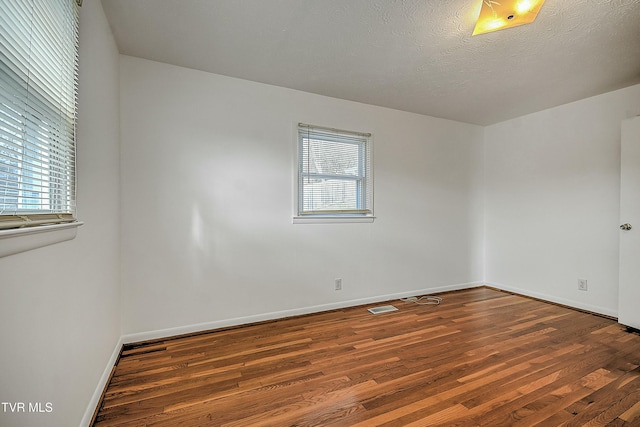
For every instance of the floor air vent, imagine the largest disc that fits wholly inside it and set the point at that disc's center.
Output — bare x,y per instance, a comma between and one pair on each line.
382,309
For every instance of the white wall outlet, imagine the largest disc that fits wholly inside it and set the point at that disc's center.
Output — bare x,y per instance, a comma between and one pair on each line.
582,284
338,284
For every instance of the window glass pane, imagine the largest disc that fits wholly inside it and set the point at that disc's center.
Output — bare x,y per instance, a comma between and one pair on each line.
330,194
330,157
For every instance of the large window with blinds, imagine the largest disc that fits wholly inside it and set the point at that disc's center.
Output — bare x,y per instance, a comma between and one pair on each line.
335,176
38,91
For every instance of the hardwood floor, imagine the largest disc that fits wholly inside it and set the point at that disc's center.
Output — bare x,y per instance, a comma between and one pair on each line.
481,358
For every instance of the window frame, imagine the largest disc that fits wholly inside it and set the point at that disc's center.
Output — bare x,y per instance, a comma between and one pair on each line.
364,177
45,124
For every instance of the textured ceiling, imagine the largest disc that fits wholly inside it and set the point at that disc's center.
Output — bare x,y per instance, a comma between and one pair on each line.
412,55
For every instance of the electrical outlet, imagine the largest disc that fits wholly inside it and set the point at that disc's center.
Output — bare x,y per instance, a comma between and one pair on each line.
582,284
338,284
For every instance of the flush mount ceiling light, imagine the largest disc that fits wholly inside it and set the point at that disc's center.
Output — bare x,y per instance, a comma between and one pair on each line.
496,15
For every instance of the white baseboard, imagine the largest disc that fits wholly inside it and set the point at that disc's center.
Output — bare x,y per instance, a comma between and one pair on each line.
570,303
102,383
169,332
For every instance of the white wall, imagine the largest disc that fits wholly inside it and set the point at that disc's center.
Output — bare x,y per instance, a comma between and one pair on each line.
208,171
60,305
552,201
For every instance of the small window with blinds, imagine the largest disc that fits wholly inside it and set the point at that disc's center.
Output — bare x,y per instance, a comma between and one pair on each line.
38,85
335,177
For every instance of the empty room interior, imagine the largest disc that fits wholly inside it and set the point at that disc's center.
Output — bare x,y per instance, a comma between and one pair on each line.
252,176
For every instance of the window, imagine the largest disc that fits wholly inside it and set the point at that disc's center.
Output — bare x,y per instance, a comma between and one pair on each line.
334,173
38,80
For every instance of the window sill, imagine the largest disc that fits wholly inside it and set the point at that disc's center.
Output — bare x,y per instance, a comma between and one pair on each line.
18,240
327,219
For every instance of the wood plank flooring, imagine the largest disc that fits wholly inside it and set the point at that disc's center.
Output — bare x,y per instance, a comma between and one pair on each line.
481,358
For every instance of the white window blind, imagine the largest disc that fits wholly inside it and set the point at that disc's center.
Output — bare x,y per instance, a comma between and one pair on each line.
335,176
38,91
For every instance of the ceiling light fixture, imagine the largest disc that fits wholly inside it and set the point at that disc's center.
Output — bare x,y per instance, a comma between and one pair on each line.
506,13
